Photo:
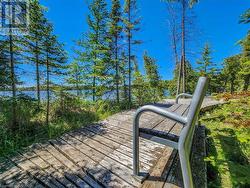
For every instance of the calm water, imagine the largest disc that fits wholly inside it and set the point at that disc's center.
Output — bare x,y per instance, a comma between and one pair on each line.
110,95
43,94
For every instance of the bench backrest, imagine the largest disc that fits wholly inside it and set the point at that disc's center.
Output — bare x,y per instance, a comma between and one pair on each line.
187,132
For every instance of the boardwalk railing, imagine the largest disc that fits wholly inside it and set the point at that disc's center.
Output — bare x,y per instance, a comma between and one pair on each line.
182,143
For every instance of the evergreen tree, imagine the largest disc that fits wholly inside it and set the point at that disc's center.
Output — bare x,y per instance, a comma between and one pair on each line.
55,57
140,89
245,18
245,60
153,77
131,24
94,49
13,52
76,76
231,69
192,77
124,74
35,39
206,66
5,80
115,29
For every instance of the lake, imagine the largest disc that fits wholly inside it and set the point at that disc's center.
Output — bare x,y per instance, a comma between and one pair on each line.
43,94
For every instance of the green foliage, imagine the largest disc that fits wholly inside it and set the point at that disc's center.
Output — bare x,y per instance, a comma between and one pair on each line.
191,79
140,90
67,112
5,79
229,144
231,69
245,61
115,29
94,49
131,21
153,78
148,88
75,76
206,67
245,18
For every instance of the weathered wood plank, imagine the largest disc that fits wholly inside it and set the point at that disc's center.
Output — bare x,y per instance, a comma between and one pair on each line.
128,122
145,146
44,165
40,175
77,169
62,169
12,176
160,172
102,175
99,155
110,152
110,143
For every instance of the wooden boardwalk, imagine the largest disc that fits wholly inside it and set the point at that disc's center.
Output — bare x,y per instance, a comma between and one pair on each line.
100,155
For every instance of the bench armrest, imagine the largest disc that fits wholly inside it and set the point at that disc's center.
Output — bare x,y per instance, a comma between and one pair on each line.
150,108
182,95
136,131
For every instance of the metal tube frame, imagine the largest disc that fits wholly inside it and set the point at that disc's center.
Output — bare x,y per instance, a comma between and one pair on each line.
182,95
139,112
186,135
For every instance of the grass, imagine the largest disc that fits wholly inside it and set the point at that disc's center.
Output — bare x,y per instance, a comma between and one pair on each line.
66,113
228,139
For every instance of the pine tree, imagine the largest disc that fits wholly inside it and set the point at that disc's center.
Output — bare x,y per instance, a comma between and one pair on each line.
206,66
5,80
35,39
245,18
140,92
245,60
54,57
76,76
231,69
12,50
124,73
131,24
115,29
153,77
94,49
140,89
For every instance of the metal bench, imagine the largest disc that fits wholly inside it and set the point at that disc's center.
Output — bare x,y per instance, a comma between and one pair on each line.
182,143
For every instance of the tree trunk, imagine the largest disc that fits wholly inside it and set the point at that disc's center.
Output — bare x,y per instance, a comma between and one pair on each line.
48,91
129,56
179,78
37,75
183,50
232,86
13,80
246,83
93,89
117,70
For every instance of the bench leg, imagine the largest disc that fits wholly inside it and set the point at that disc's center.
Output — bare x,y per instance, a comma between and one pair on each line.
139,176
136,150
186,169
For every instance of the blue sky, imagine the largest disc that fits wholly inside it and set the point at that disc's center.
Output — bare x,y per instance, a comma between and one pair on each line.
216,23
